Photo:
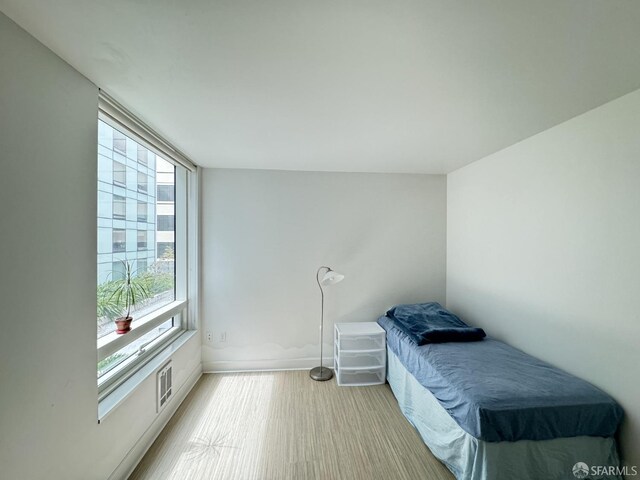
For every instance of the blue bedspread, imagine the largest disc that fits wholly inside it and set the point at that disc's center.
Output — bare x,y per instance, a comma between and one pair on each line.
498,393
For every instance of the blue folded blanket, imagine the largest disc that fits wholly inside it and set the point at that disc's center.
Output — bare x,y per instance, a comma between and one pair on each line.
431,323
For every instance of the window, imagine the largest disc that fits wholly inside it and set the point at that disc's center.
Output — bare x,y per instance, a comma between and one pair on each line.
119,174
119,241
142,266
119,207
166,223
143,181
165,309
128,354
166,193
119,142
142,211
143,155
166,249
142,239
117,271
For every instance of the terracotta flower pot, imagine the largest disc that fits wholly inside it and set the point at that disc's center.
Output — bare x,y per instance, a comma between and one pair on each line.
123,324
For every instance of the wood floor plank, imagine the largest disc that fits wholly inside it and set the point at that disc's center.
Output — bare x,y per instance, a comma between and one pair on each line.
283,425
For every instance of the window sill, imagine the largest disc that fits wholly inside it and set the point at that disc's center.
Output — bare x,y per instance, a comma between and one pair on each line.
122,392
112,342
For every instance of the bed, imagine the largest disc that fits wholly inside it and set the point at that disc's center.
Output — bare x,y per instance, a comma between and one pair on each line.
491,412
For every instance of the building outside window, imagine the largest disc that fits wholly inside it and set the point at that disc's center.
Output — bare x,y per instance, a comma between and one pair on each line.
165,239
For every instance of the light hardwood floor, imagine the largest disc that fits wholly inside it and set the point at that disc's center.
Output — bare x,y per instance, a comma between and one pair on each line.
283,425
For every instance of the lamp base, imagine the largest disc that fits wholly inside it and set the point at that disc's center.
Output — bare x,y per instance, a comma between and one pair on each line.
321,374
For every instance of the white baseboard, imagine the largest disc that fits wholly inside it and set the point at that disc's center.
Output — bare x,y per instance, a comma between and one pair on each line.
265,365
133,457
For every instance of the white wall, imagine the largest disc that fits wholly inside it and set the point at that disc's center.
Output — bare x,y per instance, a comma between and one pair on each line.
266,232
543,250
48,395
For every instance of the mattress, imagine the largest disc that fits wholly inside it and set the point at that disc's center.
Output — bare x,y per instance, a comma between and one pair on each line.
497,393
469,458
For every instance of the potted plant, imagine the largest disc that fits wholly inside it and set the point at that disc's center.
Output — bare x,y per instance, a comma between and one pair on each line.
126,293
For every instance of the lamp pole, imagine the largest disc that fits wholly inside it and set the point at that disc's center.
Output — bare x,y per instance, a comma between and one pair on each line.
330,277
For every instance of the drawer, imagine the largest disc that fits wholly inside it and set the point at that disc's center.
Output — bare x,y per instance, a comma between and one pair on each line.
362,377
375,358
361,342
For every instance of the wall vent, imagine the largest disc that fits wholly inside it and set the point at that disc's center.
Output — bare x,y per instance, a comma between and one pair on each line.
165,385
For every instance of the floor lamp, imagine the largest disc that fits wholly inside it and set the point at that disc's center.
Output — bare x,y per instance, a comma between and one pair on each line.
330,277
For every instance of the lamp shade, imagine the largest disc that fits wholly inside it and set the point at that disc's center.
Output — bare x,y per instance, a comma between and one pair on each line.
331,278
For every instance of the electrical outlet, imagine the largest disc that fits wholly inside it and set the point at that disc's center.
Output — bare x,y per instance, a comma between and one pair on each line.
209,336
223,337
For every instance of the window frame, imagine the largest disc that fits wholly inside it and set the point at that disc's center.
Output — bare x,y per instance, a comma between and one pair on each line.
184,308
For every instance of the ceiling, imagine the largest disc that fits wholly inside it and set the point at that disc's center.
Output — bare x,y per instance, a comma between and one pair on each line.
350,85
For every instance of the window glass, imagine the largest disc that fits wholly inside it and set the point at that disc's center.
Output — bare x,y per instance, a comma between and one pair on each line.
119,173
119,142
166,249
142,266
143,158
141,248
166,193
119,207
133,348
118,271
142,211
142,239
119,241
166,223
143,181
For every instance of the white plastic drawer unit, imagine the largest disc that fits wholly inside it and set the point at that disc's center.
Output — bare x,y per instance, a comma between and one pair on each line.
366,358
361,378
359,336
360,354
